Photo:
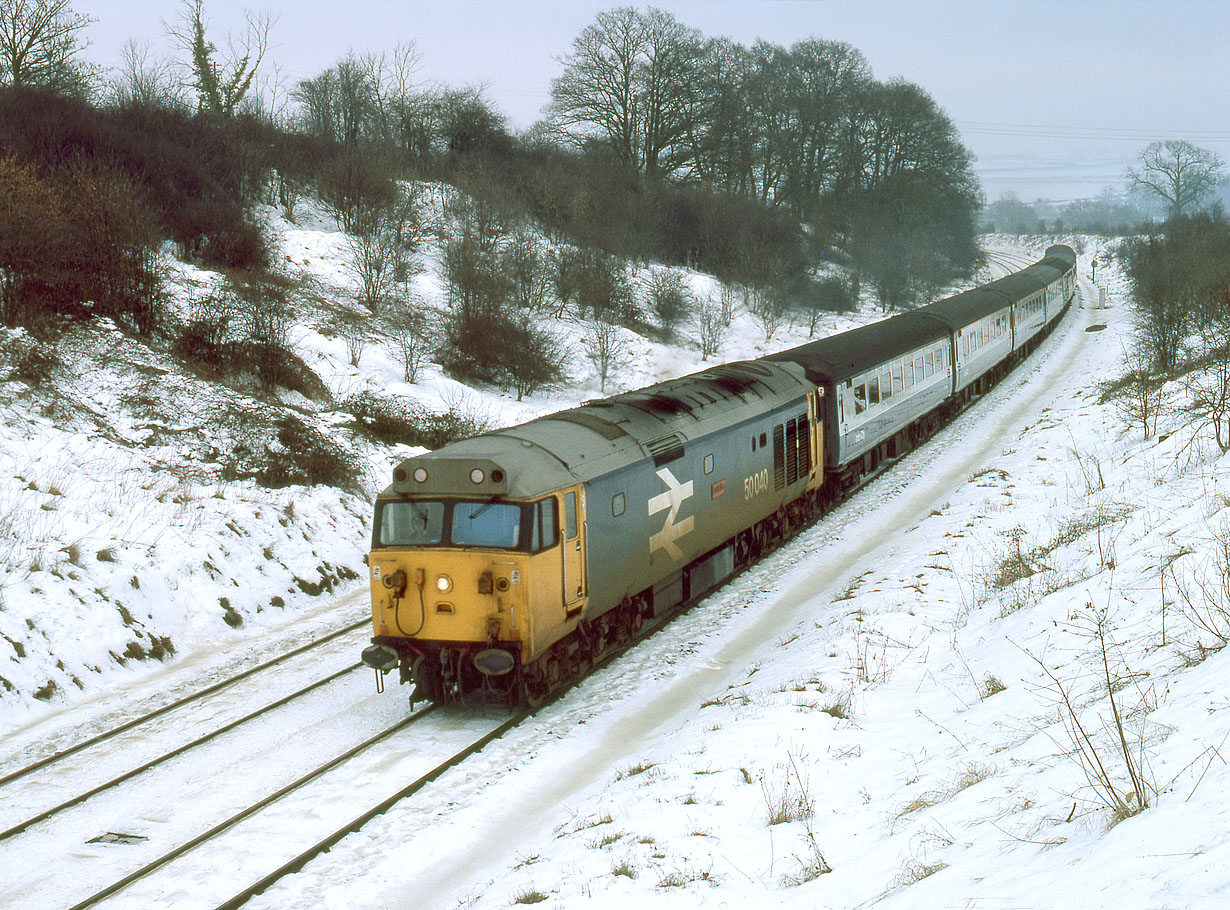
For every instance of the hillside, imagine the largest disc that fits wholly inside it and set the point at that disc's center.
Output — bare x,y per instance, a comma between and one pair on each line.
138,528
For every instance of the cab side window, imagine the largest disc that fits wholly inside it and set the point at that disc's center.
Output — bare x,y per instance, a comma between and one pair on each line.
570,515
545,532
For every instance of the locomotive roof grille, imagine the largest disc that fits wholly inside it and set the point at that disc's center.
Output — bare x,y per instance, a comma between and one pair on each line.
665,449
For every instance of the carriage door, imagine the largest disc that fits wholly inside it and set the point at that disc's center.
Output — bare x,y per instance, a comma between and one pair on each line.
574,552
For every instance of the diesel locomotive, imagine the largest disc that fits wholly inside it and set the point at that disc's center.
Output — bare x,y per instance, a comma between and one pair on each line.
508,563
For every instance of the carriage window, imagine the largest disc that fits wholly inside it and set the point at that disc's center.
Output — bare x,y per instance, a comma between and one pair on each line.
873,392
929,361
486,524
860,399
617,502
898,381
410,523
708,464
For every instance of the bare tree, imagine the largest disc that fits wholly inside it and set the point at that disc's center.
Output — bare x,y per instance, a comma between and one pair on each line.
341,103
1210,385
1138,394
220,85
606,348
375,257
712,328
1177,172
384,238
768,309
626,81
728,300
536,359
41,45
350,327
669,296
412,340
143,80
530,265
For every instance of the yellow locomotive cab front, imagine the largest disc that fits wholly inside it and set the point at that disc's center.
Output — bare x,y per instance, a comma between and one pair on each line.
464,590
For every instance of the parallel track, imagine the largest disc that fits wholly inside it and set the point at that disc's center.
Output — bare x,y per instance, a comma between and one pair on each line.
171,706
174,753
253,809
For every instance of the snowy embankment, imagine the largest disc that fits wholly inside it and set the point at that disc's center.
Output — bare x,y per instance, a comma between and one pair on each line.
874,715
879,713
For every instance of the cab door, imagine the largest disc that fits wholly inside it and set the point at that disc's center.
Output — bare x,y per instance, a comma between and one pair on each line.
574,551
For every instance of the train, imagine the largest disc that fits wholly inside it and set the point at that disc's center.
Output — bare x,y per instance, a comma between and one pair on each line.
506,565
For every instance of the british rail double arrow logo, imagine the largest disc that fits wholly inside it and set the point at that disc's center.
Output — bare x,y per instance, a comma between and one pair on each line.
672,530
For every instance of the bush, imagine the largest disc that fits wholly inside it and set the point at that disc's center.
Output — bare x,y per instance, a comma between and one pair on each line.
670,298
195,176
598,284
298,454
394,420
390,421
501,347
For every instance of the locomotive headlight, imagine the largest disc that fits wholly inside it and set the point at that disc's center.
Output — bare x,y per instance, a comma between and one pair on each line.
444,584
477,475
420,474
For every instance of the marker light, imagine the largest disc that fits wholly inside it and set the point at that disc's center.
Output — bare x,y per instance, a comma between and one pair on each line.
444,584
420,474
477,475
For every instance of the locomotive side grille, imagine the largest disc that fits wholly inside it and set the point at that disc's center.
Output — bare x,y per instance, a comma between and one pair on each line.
804,446
792,451
779,457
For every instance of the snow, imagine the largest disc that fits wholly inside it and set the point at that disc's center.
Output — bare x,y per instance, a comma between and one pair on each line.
888,684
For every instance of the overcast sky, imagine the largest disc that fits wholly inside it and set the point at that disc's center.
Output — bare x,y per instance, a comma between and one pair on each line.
1054,97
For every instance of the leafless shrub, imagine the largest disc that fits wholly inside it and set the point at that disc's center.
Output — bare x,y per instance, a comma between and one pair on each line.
728,302
354,334
789,799
1209,384
1113,763
1137,395
768,309
412,340
531,266
606,348
1204,595
669,296
711,328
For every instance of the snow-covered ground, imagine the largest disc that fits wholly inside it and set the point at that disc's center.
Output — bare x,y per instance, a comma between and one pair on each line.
874,715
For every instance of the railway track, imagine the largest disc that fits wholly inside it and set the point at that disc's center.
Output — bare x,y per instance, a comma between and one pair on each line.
79,798
274,836
145,719
55,864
